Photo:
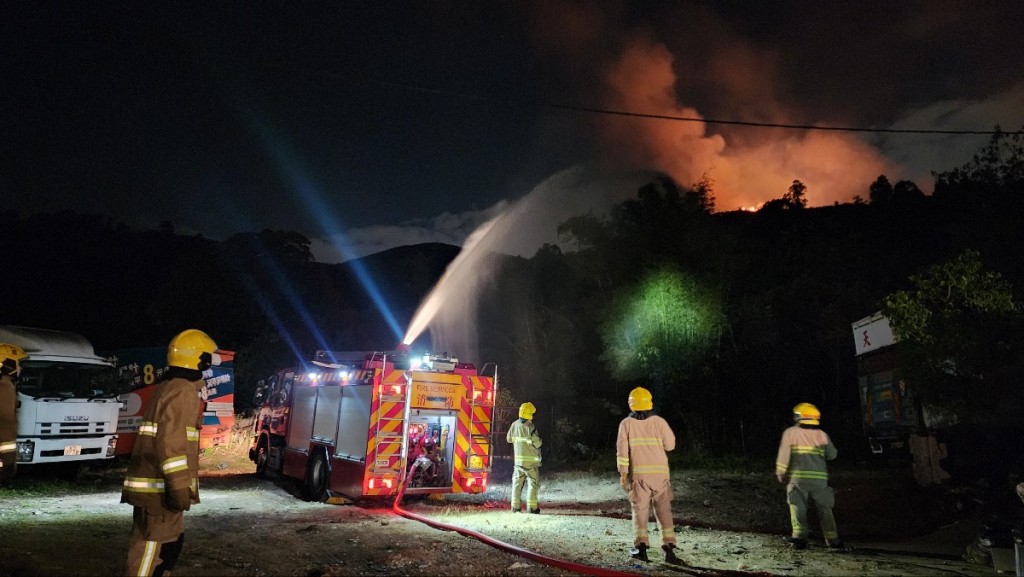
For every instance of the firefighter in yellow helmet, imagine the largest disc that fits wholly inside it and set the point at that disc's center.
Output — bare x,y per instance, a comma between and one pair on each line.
801,461
642,460
10,368
162,481
526,444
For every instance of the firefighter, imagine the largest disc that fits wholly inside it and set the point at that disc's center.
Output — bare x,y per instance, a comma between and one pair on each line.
642,460
162,481
802,455
526,443
10,368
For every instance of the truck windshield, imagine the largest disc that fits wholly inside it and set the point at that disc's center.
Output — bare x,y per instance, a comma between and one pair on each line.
69,380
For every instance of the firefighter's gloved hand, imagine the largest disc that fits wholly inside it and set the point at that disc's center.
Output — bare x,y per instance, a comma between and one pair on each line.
178,499
781,477
624,481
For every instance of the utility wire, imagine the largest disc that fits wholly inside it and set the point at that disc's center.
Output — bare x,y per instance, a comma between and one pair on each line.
703,120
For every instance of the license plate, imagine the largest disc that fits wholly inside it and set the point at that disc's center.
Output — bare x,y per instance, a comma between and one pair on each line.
72,449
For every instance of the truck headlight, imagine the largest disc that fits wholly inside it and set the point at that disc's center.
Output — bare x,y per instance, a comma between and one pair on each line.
111,446
26,450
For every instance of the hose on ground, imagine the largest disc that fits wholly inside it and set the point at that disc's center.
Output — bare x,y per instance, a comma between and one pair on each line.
507,547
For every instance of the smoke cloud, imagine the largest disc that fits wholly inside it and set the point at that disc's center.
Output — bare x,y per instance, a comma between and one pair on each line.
835,167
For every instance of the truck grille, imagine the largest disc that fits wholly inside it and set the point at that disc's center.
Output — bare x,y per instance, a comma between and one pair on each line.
96,428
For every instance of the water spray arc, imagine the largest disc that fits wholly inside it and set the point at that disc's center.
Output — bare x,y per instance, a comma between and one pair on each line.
520,228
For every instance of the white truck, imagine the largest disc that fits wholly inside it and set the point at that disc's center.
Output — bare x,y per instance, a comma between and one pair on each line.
67,399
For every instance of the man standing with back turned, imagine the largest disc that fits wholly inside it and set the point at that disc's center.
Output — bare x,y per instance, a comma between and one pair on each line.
802,454
640,455
526,444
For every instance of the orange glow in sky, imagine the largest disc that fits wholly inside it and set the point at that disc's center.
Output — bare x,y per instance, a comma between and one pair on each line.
835,166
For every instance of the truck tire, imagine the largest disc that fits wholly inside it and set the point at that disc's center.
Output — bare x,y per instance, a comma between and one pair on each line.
318,478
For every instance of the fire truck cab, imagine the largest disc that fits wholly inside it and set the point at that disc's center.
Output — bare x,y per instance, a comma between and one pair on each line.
362,424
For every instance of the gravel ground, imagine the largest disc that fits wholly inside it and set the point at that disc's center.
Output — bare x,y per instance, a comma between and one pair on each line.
727,523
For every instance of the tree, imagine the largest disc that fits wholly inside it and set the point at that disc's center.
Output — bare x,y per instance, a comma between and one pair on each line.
997,169
880,192
794,199
906,192
701,195
661,327
796,195
959,330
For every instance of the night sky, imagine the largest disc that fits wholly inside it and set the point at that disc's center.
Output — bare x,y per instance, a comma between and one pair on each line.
370,125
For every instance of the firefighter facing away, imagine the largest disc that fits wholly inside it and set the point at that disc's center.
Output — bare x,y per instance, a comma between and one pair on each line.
802,454
10,368
162,481
526,444
642,460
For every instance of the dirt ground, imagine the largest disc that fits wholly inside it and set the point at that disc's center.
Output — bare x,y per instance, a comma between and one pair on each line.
727,524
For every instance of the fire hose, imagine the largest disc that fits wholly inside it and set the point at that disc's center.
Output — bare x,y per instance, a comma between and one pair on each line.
507,547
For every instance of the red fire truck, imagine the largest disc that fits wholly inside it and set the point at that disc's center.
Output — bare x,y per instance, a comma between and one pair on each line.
360,424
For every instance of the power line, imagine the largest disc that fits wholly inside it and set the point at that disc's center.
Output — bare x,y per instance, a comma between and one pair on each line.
611,112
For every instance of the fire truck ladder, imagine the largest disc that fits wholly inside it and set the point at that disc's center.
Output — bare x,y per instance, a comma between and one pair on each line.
390,434
477,438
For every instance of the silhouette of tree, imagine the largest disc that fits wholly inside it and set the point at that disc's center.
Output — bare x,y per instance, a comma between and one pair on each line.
796,196
880,192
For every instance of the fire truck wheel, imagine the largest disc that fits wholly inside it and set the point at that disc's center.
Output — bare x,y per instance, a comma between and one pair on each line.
317,478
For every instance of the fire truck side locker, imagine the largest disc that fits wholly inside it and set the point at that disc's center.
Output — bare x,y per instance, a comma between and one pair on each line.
349,462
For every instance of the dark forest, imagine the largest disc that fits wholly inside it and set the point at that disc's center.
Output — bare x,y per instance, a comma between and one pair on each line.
729,318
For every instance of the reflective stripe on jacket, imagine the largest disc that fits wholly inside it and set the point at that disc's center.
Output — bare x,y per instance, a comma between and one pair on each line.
166,452
802,455
641,446
525,442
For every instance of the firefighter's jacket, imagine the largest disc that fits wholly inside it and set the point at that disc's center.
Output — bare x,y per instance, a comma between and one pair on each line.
642,445
525,442
802,455
8,415
166,452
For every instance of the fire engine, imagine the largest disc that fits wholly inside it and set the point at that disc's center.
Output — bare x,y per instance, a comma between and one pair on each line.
362,424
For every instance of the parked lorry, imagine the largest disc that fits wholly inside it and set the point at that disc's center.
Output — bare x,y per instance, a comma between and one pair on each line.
889,410
364,424
144,368
67,399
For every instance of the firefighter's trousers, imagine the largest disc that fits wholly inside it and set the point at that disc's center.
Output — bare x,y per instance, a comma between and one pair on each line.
8,465
155,542
529,476
824,498
643,491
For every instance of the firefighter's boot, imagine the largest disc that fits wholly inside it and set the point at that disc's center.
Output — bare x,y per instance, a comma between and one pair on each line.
796,542
535,511
639,553
670,553
837,546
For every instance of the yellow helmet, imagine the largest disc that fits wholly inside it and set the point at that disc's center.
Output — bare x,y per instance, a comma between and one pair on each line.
10,355
806,414
640,400
187,349
526,411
